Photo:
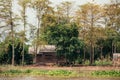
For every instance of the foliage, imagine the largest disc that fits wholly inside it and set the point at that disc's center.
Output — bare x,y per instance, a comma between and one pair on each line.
104,62
88,18
55,73
59,73
27,71
87,62
6,52
65,38
113,73
97,26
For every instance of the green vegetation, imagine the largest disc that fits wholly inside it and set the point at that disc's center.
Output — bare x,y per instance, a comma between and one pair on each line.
103,63
37,72
99,62
6,52
32,71
89,32
112,73
65,38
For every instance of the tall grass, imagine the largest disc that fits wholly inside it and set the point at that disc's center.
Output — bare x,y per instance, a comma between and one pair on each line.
103,62
112,73
37,72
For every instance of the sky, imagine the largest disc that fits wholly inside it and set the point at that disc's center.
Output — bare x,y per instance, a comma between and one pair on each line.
80,2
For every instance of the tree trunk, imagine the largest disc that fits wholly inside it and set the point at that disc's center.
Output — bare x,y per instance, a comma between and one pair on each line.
13,53
23,55
12,33
112,48
91,36
24,18
35,56
101,57
91,54
115,48
37,44
84,55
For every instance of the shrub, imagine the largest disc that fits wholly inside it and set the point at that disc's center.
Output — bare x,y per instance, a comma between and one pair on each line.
113,73
87,62
103,62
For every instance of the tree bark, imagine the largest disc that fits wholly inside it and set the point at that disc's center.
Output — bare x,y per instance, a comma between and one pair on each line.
115,48
13,53
38,32
12,33
23,54
101,57
84,55
24,18
91,54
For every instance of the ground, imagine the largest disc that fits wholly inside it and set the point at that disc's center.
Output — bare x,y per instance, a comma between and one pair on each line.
84,68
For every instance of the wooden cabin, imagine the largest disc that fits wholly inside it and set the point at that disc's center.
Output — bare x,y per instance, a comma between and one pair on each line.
116,59
46,55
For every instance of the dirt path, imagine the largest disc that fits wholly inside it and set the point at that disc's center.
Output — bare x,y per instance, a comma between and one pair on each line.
49,78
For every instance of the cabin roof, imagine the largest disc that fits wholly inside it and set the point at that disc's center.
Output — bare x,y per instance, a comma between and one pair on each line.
118,54
42,48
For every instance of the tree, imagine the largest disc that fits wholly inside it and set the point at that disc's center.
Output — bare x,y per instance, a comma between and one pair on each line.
24,5
63,12
6,51
89,18
7,15
112,12
41,7
65,38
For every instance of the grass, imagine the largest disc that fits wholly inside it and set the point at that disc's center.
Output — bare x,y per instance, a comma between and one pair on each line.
112,73
29,71
54,73
20,71
103,62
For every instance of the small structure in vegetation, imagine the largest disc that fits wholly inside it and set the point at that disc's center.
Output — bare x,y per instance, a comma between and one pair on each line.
46,55
116,59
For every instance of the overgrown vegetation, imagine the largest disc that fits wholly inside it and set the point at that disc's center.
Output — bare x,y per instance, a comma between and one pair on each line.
90,32
65,38
6,52
37,72
20,71
112,73
104,62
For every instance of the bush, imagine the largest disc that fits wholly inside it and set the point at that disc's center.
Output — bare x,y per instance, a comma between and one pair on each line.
3,58
103,62
87,62
59,73
113,73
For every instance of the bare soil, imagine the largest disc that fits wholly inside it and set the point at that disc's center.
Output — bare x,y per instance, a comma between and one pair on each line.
81,68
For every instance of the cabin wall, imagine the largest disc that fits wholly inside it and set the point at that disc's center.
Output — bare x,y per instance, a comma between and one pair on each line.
116,59
46,57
